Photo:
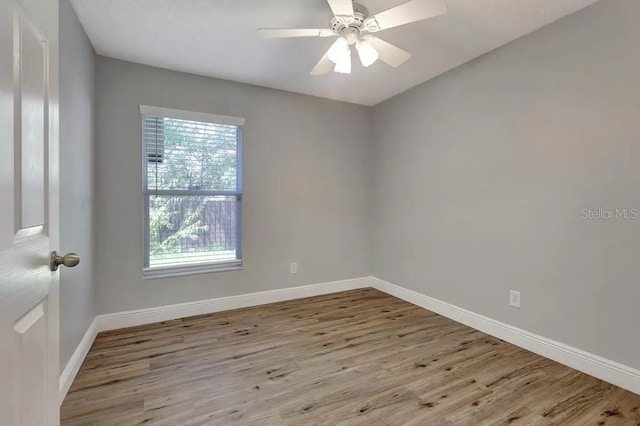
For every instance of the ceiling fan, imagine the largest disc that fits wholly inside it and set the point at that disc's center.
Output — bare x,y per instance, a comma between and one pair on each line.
353,25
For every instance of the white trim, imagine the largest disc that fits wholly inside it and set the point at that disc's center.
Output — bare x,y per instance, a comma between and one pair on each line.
594,365
191,115
125,319
161,273
75,362
196,269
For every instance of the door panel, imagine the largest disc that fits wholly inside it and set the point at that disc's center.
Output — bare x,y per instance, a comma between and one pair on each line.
29,323
31,64
31,331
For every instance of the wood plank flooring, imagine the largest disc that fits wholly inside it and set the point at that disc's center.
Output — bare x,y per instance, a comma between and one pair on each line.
359,357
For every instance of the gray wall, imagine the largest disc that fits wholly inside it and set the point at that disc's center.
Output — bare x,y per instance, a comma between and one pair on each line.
304,180
481,175
76,180
470,185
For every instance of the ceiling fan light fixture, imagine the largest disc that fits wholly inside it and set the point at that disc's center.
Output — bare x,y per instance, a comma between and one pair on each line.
344,65
353,25
339,51
367,53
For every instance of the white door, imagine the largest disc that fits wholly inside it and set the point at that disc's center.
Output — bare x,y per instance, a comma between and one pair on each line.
29,324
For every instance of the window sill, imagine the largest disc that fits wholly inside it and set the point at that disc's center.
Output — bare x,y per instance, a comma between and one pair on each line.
152,274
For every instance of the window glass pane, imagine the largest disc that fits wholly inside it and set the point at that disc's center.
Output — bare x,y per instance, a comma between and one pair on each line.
191,230
190,155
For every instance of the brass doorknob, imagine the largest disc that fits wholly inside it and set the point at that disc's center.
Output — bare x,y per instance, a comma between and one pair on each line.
69,260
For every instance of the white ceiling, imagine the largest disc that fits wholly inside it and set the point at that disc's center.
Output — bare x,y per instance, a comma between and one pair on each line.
218,38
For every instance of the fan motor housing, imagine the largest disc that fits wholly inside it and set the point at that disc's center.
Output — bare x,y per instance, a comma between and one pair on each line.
355,27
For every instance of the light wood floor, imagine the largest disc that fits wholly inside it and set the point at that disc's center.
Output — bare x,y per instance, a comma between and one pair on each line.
358,357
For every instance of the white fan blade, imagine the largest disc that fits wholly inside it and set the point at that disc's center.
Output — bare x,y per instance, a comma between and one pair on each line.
411,11
324,66
294,32
389,53
341,8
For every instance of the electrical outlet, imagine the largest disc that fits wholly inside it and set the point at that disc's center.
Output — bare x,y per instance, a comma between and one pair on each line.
514,298
293,268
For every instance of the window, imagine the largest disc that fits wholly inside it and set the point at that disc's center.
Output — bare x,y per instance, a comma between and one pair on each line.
192,191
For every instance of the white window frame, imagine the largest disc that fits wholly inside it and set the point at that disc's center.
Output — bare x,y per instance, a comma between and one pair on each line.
171,271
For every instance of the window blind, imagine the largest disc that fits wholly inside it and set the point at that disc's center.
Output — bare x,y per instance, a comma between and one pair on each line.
193,193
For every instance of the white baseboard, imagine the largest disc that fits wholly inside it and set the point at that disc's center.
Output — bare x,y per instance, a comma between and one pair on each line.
594,365
181,310
75,362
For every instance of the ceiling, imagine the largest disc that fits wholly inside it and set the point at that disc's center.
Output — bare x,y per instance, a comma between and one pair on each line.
218,38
